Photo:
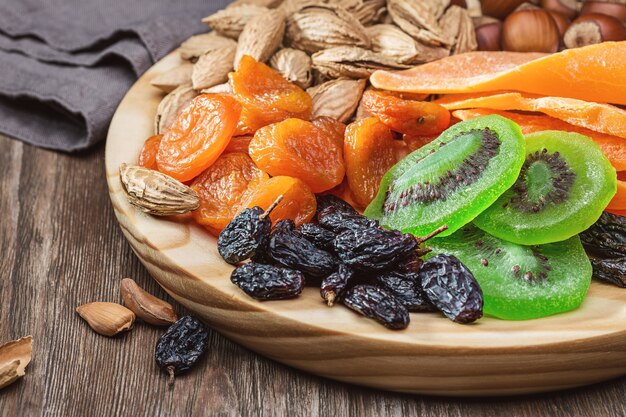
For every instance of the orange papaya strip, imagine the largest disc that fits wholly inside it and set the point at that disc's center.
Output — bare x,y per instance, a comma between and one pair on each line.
595,116
618,212
613,147
619,201
592,73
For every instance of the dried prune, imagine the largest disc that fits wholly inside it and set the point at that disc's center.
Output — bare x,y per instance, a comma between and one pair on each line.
378,304
405,284
246,234
268,282
181,346
334,285
607,237
610,270
290,249
317,235
372,248
452,288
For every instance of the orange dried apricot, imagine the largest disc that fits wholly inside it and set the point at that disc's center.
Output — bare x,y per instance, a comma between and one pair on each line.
300,149
198,136
224,188
369,152
344,192
333,126
298,203
147,156
266,96
414,142
239,144
619,200
406,116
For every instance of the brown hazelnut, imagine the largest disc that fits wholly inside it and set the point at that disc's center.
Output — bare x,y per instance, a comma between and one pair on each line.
567,7
594,28
530,30
488,31
610,9
562,22
499,8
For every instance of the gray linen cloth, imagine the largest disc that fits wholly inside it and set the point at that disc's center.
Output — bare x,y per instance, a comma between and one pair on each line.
66,64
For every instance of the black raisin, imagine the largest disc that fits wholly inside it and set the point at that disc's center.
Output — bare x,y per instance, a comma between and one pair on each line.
290,249
374,248
181,346
317,235
334,285
338,222
330,204
407,289
610,270
607,237
378,304
268,282
245,235
452,288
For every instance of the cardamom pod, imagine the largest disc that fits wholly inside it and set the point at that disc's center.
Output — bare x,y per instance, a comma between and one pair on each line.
146,306
353,62
107,319
294,65
169,80
336,98
391,41
170,107
14,357
261,36
322,26
198,45
156,193
213,67
230,22
418,20
459,27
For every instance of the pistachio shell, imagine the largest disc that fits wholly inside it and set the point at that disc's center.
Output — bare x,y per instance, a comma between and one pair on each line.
231,21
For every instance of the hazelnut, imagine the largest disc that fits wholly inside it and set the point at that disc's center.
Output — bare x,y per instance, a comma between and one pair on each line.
499,8
530,29
594,28
567,7
488,31
562,22
616,10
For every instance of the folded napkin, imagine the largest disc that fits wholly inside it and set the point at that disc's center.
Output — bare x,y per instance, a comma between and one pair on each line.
66,64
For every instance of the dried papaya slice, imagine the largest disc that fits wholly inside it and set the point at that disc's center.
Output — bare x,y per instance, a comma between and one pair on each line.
369,152
147,156
266,96
406,116
198,136
224,188
299,149
619,200
599,117
613,147
593,73
298,202
239,144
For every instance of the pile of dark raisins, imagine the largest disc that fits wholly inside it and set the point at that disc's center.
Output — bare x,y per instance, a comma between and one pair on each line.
376,272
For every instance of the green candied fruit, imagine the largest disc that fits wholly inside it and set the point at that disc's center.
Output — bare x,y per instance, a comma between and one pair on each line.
521,282
452,179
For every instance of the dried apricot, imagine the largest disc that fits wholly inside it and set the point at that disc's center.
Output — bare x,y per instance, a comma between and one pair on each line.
344,192
333,126
239,144
369,152
417,141
266,96
406,116
300,149
224,188
147,156
298,203
198,136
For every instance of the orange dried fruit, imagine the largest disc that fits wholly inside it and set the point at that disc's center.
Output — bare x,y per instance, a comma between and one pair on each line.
147,156
198,136
414,142
239,144
298,203
224,189
369,152
266,96
618,203
344,192
333,126
297,148
406,116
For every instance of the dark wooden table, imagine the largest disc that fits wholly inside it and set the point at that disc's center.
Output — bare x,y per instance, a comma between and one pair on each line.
60,246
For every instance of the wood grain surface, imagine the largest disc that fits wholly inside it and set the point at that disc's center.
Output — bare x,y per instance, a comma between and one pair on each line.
60,246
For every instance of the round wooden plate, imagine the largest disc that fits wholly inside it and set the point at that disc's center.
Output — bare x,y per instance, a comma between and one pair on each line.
433,356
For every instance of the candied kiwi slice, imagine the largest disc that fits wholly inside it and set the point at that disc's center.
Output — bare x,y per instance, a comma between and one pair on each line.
521,282
452,179
565,184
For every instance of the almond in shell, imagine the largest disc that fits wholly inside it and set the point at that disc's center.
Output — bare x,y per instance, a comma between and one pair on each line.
459,27
107,319
393,42
352,62
417,19
365,11
231,21
336,98
261,36
170,107
169,80
198,45
146,306
213,67
294,65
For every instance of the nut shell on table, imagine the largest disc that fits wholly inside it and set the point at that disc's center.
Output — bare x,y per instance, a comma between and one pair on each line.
146,306
294,65
323,26
261,36
198,45
156,193
393,42
338,98
213,67
107,319
418,20
230,22
352,62
169,80
14,357
171,106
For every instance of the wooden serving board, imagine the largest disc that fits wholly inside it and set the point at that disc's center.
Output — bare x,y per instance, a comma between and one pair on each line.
433,356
